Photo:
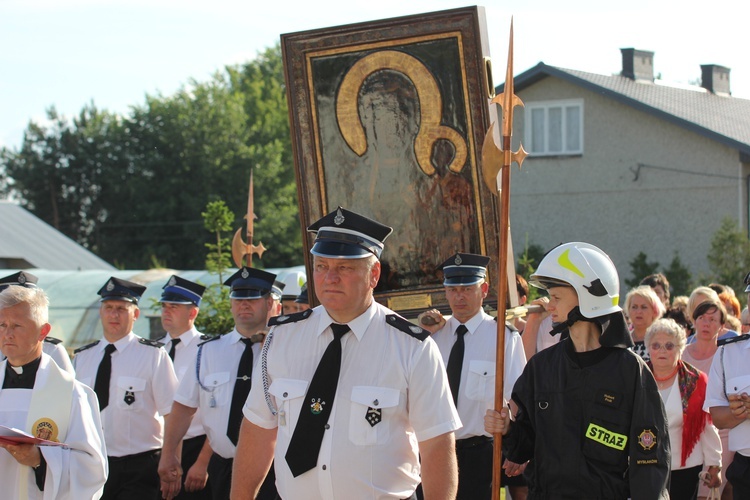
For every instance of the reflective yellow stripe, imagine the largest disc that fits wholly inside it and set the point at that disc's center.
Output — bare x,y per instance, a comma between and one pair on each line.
564,261
606,437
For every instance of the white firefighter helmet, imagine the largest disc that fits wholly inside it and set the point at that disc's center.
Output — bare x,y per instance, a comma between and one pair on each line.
588,270
293,281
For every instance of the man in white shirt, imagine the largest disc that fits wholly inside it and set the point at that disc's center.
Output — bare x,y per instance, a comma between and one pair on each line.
41,399
357,435
134,381
468,344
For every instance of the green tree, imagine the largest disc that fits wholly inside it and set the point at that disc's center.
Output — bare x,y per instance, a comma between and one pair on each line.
680,279
216,315
640,267
729,256
527,262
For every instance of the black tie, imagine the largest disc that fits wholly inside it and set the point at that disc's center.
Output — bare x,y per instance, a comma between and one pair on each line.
172,349
101,385
302,454
455,362
241,390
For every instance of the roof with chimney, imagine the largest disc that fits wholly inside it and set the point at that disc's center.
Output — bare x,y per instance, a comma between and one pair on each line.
714,114
27,242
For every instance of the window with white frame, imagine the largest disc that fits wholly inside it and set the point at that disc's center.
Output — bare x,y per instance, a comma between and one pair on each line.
554,127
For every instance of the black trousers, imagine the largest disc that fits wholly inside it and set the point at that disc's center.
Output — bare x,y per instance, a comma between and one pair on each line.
738,474
474,457
683,483
191,448
133,477
220,472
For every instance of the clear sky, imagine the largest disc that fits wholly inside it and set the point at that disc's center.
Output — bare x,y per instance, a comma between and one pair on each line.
68,53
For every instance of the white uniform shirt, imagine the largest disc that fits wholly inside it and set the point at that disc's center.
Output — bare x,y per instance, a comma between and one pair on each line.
219,361
706,451
74,473
184,361
476,392
382,367
730,374
146,372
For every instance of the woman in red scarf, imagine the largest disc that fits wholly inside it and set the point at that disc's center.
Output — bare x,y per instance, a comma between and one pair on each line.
693,437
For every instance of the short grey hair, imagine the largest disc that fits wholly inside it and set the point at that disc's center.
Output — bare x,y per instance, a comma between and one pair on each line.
669,327
34,297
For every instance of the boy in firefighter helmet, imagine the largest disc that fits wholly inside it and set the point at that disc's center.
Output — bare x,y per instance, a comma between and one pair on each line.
590,418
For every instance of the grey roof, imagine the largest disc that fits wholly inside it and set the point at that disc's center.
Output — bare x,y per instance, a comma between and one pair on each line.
722,118
25,237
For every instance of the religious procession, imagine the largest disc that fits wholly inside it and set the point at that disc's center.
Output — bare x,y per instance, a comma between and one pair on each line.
415,362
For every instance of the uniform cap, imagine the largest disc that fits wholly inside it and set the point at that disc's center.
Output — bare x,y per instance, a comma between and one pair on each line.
464,269
21,278
277,289
343,234
181,291
250,283
119,289
302,297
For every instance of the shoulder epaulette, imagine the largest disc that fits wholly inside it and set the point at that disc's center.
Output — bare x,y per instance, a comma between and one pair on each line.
52,340
407,326
161,339
732,340
209,338
87,346
150,343
205,336
285,319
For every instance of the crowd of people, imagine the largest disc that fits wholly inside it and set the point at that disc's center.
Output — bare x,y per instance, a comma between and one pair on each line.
350,400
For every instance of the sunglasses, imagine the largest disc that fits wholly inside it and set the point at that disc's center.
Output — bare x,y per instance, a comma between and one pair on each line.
657,346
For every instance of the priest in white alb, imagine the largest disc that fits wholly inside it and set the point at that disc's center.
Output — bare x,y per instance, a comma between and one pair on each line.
44,401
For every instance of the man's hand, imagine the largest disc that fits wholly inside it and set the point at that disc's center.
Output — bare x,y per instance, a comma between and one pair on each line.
196,478
513,469
739,405
497,422
431,320
170,474
24,454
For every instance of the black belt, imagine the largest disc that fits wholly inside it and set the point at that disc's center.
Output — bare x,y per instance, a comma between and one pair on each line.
218,458
471,442
135,456
193,439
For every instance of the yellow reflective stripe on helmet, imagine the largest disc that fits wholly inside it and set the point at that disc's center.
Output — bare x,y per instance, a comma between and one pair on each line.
564,261
606,437
615,300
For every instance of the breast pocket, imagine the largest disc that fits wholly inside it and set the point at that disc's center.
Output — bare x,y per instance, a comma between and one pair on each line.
216,390
130,393
738,385
606,435
371,413
480,384
289,395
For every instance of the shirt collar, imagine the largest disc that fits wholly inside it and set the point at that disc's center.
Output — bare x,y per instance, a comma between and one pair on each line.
121,344
358,325
185,338
471,325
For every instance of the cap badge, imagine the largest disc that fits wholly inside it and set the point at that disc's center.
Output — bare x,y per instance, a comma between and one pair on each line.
110,286
458,260
172,281
339,218
245,274
21,279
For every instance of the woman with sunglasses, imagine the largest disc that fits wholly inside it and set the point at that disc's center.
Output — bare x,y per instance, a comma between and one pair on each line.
694,439
709,317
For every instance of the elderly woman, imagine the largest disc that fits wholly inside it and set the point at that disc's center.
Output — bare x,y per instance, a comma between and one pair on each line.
708,320
642,307
694,439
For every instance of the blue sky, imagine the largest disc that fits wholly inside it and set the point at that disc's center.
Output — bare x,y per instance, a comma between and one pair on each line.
68,53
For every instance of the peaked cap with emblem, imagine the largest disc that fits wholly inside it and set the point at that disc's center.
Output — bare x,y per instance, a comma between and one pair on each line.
118,289
464,269
343,234
21,278
302,297
181,291
250,283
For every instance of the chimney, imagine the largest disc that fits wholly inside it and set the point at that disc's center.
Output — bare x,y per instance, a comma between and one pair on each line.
637,64
715,79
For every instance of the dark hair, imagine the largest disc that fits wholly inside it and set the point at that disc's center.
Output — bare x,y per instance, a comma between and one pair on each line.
521,286
679,317
708,307
718,288
658,279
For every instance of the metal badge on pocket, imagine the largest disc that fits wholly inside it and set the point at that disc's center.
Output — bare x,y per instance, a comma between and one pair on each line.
129,397
374,415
